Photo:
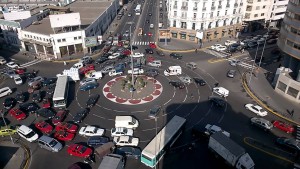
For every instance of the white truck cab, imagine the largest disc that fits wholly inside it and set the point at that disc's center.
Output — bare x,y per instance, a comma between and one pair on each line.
221,91
72,73
127,122
173,70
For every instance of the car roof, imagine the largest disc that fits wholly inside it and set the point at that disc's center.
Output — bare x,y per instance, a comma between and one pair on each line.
124,138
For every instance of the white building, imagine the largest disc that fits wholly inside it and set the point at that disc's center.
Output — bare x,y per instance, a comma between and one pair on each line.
260,12
215,18
36,34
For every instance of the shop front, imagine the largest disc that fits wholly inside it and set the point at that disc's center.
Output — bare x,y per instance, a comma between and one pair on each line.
174,34
183,35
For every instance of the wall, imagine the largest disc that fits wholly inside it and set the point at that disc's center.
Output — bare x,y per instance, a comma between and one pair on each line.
289,83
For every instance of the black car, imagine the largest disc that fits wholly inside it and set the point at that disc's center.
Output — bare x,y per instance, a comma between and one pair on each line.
154,111
121,57
9,103
289,144
133,47
20,97
129,152
199,81
151,72
92,100
176,56
89,86
149,51
96,141
36,96
220,102
50,90
80,115
147,21
46,113
101,60
29,107
199,132
29,75
177,84
49,81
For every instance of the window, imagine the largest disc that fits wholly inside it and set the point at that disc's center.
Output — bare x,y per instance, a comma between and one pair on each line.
175,3
175,13
79,37
218,13
292,92
34,37
63,40
213,4
195,15
257,8
226,12
202,26
211,14
290,43
262,14
255,15
194,26
44,39
195,4
203,15
204,3
258,0
240,10
183,25
234,11
58,40
174,23
75,38
264,7
220,2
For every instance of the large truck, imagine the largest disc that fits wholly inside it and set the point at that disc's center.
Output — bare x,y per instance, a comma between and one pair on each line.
112,161
231,152
72,73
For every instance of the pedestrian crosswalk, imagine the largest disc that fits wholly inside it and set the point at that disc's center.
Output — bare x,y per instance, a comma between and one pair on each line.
245,62
216,53
33,62
142,43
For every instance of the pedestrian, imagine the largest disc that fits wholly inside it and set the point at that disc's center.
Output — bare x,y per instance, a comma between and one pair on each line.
192,96
196,50
216,84
292,112
65,63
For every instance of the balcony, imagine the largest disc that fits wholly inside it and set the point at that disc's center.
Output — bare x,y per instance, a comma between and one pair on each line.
250,1
236,5
175,7
227,6
195,9
185,8
204,9
213,8
220,7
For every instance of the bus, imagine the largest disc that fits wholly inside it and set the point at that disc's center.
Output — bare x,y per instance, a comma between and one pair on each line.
158,146
60,96
138,9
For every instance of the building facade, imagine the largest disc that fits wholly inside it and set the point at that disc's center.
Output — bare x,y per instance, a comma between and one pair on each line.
288,77
216,19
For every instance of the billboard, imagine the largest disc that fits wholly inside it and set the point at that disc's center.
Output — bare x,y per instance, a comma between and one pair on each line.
62,20
18,15
91,41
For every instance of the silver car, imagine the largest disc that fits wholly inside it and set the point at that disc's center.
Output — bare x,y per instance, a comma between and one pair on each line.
87,80
185,79
36,79
231,73
262,123
107,69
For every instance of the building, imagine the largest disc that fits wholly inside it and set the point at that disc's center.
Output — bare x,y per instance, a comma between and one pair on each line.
216,19
263,13
53,32
288,77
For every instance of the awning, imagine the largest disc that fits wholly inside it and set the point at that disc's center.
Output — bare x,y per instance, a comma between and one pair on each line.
182,33
174,32
192,34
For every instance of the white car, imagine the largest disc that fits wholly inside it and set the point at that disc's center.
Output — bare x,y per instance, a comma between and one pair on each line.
27,133
221,48
234,62
256,109
5,91
78,65
215,46
2,61
91,131
18,80
36,79
114,56
136,71
126,141
185,79
121,131
12,65
87,80
229,42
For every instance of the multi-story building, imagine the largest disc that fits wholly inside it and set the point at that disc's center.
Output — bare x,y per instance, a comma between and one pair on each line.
261,13
216,19
51,38
288,77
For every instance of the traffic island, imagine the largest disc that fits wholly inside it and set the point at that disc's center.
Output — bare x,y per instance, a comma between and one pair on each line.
144,90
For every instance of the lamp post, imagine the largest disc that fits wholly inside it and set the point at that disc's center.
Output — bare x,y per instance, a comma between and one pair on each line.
6,126
155,139
132,77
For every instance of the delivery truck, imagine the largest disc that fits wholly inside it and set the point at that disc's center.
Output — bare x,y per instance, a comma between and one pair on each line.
112,161
231,152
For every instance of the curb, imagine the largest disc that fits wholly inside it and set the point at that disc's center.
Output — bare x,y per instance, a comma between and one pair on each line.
260,102
27,157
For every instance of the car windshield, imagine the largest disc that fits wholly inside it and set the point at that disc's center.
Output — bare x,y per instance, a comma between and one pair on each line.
31,134
82,150
53,143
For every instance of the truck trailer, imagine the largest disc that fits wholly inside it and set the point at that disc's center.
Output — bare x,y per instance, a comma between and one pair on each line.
231,152
112,161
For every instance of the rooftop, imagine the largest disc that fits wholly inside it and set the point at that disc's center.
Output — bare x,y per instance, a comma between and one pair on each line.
89,12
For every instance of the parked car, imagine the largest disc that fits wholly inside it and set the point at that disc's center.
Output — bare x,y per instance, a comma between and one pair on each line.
59,117
136,71
9,73
126,141
91,131
152,45
129,152
64,135
101,60
20,97
252,44
12,65
151,72
154,111
9,102
44,127
29,107
18,80
96,141
231,73
107,69
229,42
221,48
283,126
46,103
121,131
177,84
35,79
289,144
219,101
5,91
27,133
234,62
261,123
36,96
79,150
256,109
68,127
199,81
2,61
176,56
17,114
215,46
8,130
80,115
34,87
86,68
49,81
92,100
46,113
89,86
87,80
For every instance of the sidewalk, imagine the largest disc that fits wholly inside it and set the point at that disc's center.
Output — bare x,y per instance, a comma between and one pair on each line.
19,159
261,91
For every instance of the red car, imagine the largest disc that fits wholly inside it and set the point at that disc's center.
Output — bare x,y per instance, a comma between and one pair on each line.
126,52
17,114
120,43
150,34
152,45
64,136
71,128
59,117
86,68
44,127
79,150
46,103
283,126
20,71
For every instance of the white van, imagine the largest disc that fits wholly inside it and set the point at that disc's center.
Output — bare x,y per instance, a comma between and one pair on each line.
173,70
5,91
221,91
155,63
96,75
126,121
27,133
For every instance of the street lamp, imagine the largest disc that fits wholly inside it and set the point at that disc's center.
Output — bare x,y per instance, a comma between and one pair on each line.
132,77
6,126
155,138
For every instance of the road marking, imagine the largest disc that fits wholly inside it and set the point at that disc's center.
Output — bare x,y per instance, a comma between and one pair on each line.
167,102
33,62
99,116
